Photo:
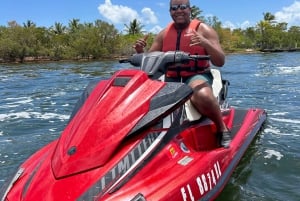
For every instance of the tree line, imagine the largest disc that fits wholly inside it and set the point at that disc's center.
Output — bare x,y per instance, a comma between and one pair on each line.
99,40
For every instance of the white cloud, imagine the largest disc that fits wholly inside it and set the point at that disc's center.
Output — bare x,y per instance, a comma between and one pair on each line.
229,25
245,24
119,14
156,29
290,14
149,16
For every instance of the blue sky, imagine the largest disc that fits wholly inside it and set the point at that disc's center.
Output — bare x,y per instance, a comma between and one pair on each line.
153,14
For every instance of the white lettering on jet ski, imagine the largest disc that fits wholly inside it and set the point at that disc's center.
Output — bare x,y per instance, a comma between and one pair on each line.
123,165
205,182
184,195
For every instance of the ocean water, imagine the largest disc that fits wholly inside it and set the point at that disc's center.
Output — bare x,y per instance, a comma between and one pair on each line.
37,99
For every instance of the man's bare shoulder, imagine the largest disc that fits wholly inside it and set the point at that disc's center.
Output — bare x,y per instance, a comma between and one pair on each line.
204,27
158,42
160,36
161,33
206,30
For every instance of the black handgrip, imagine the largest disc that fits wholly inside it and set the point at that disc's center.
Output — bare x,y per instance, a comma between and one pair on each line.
123,61
136,59
199,57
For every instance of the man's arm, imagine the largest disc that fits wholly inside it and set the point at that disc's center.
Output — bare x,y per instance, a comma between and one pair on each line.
207,37
156,45
158,42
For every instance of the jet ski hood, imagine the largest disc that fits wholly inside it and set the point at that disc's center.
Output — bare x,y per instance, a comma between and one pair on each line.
116,108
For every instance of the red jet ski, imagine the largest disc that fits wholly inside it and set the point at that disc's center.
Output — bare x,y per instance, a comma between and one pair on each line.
137,138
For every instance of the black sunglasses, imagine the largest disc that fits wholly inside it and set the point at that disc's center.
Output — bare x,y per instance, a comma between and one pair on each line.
181,6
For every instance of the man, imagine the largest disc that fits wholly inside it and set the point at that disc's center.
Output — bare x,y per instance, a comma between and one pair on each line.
194,37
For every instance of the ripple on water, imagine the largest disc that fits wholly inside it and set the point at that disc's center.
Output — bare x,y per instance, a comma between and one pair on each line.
36,102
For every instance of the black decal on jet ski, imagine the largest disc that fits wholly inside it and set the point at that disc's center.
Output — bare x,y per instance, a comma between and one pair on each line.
121,167
121,81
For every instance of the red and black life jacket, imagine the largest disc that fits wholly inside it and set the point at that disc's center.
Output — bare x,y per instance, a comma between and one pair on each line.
175,40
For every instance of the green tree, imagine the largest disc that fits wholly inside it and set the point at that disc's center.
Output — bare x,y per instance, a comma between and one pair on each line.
59,41
94,40
107,36
134,27
250,37
225,38
269,17
58,28
29,24
280,35
196,13
294,37
266,31
74,25
100,39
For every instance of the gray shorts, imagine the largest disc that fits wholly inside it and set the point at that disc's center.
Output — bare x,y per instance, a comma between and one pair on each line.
207,76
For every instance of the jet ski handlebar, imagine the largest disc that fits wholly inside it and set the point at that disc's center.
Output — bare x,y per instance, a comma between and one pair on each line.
156,63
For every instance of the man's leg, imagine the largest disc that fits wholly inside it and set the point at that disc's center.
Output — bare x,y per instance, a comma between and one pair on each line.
205,102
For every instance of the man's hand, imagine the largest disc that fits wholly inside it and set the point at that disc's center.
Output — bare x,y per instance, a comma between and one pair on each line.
140,44
197,39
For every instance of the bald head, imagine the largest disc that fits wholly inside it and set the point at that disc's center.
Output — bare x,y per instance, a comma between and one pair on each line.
180,2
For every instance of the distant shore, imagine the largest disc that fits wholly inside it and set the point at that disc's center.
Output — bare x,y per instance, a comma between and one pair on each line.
281,50
44,59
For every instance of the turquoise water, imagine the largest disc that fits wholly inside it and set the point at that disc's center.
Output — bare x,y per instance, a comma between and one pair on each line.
37,99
